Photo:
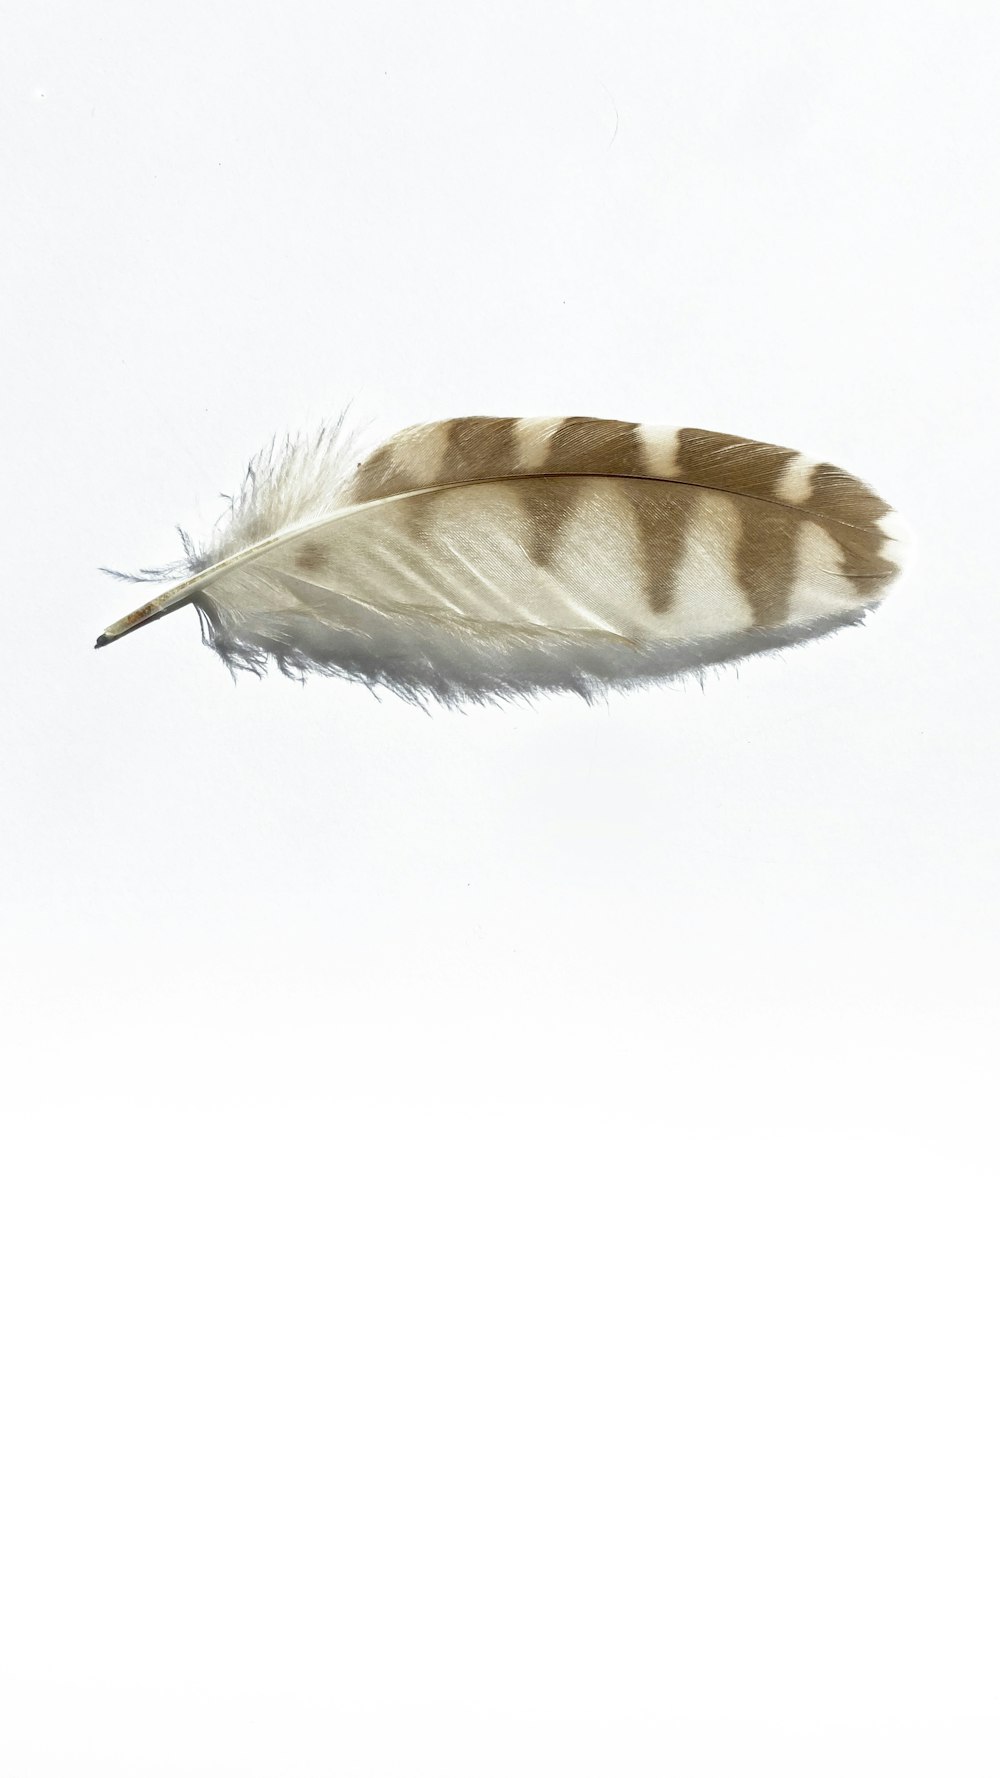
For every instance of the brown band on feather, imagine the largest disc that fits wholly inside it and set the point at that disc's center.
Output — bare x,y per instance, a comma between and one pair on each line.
310,554
547,505
765,558
662,515
732,465
480,450
595,447
379,475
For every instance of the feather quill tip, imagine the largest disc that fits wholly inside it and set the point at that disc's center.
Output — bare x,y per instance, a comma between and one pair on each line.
148,613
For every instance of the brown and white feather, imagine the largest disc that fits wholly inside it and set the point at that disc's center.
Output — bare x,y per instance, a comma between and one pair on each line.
482,557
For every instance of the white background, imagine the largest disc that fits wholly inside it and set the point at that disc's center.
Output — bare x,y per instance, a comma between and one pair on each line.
500,1232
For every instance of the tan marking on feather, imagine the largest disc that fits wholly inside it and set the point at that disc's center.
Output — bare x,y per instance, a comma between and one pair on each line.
376,475
794,484
410,460
765,558
729,464
661,451
533,440
480,450
310,554
661,516
595,447
547,504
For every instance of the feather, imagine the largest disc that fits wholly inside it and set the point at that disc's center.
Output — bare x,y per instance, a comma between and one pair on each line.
486,558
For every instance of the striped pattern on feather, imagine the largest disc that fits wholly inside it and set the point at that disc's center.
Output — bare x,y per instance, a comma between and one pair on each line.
483,557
